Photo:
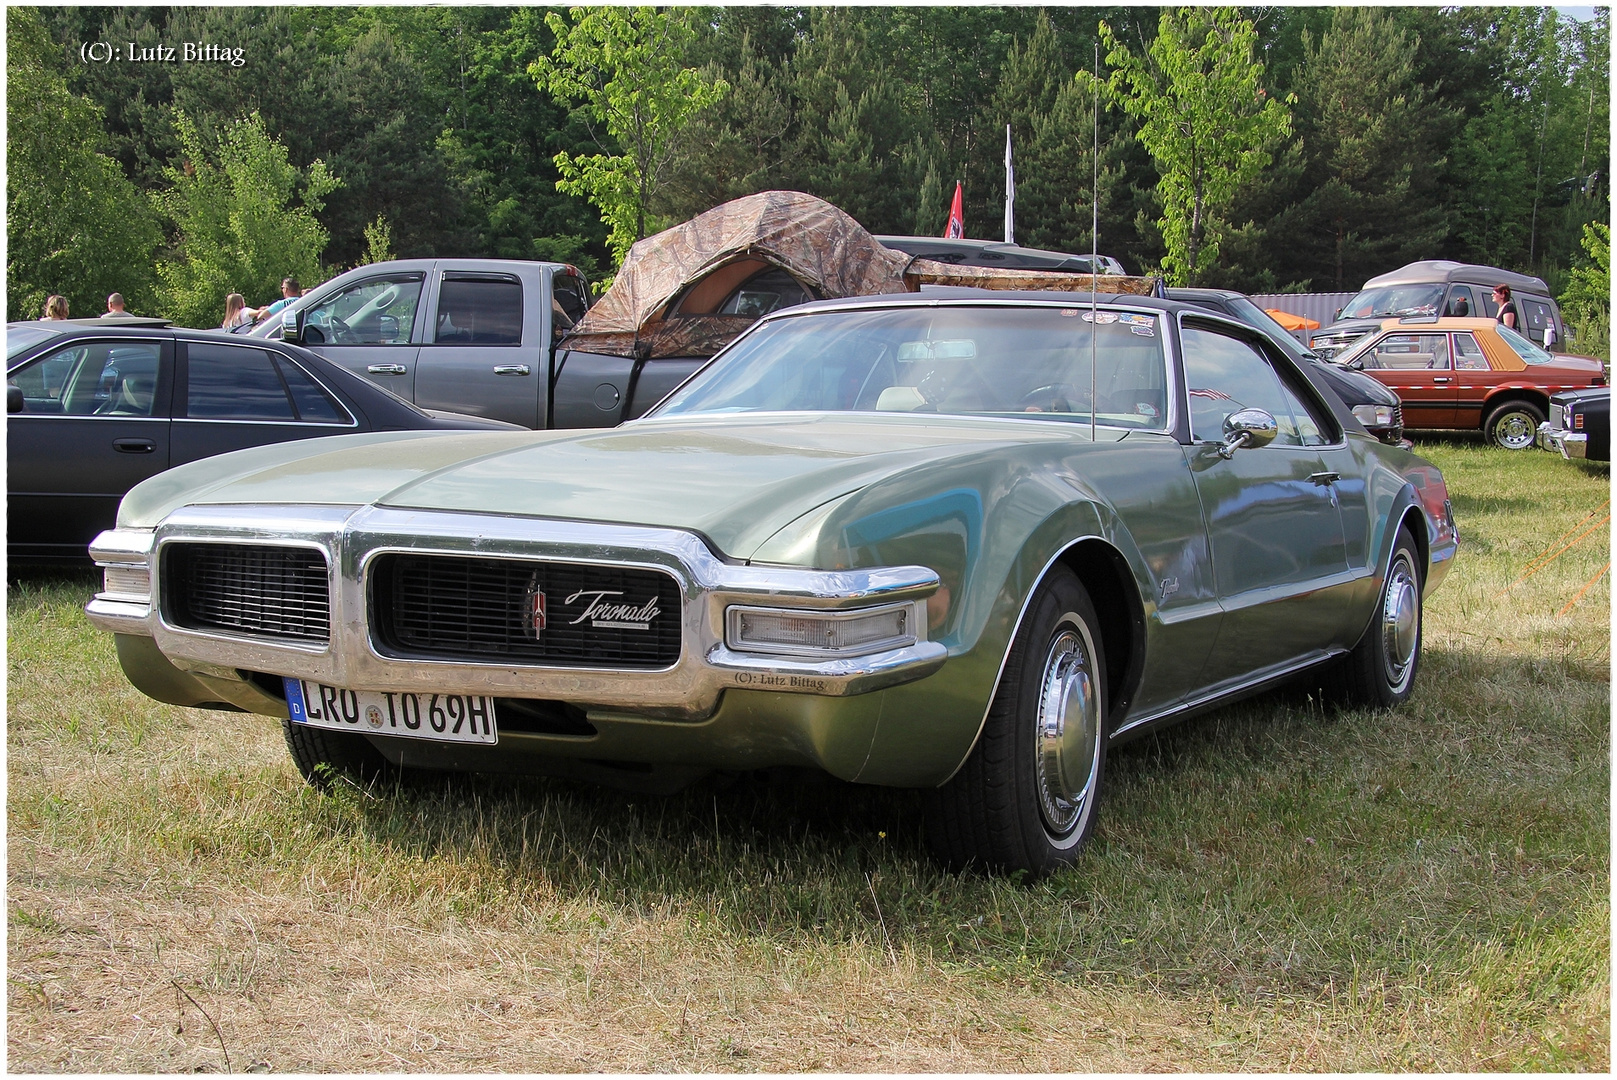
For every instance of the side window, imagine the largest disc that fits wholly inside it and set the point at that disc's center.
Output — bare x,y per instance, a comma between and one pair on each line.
104,378
228,382
1224,375
1536,315
567,305
479,311
1468,354
1410,352
1462,302
314,405
380,311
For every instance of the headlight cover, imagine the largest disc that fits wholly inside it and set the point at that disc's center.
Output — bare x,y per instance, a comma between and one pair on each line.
803,632
1374,415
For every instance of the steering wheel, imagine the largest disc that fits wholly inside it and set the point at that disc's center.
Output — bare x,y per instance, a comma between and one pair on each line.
340,333
1055,398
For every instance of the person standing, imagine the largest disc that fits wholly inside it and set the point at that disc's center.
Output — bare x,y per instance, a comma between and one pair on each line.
236,312
115,306
290,291
1507,306
55,307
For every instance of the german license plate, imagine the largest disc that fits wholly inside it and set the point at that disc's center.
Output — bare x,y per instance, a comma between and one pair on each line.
443,717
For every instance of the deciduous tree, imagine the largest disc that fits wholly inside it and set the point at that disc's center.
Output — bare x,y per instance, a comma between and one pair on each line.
627,68
1205,118
75,225
245,218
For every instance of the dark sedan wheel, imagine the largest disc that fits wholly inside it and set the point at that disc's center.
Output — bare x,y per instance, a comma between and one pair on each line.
327,757
1514,425
1381,669
1025,799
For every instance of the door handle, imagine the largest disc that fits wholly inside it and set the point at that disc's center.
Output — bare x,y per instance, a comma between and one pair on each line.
1442,380
1325,477
134,446
511,369
387,369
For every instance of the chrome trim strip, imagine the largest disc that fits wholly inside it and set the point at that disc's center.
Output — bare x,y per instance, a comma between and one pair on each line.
352,423
689,690
1208,700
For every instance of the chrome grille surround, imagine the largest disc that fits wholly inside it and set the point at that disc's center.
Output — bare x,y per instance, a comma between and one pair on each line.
689,689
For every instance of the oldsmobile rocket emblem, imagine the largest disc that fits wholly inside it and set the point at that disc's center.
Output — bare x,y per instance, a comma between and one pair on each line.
533,613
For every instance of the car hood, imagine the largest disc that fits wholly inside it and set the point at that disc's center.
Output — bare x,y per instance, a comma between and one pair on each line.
736,480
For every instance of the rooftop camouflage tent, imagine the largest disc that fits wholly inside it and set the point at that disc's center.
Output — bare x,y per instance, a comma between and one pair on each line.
685,291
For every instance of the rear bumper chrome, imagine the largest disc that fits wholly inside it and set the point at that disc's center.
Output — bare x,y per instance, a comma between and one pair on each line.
688,689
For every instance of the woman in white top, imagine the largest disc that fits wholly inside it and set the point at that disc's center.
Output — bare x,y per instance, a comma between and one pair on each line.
236,312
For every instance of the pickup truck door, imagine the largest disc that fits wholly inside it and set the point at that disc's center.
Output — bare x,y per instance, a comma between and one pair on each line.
369,328
485,347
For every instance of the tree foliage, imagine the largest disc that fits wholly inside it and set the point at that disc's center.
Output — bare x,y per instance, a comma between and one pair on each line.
245,219
1205,118
75,224
1470,133
627,67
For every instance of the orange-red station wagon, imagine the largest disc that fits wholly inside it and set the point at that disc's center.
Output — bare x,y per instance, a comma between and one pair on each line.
1469,373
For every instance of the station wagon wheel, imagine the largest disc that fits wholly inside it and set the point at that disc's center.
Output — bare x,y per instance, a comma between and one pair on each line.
1381,669
1514,425
325,758
1025,799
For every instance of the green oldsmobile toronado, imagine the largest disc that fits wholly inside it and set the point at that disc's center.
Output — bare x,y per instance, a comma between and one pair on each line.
956,540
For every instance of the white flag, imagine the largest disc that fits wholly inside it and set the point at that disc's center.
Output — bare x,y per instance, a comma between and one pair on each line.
1010,191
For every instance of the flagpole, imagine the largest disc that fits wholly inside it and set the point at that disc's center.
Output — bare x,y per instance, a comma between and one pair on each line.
1010,191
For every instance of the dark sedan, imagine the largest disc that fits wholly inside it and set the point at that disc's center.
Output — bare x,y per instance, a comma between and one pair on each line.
1579,426
96,408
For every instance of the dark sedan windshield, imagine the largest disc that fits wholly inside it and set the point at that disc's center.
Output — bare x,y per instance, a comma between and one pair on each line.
997,360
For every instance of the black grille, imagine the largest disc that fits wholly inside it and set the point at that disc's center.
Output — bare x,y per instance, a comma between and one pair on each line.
279,592
466,608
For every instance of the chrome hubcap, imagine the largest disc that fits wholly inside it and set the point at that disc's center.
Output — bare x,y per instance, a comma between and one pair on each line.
1400,623
1515,431
1068,734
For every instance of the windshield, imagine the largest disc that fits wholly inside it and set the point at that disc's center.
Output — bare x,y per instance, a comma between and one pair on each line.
1253,315
1523,347
19,338
1394,300
1018,361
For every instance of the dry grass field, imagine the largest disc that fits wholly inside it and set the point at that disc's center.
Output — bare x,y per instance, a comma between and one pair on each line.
1276,886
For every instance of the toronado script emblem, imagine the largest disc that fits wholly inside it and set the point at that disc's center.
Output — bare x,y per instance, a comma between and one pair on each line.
604,615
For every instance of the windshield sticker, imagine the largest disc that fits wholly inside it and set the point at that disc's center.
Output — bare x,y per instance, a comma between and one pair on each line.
1101,317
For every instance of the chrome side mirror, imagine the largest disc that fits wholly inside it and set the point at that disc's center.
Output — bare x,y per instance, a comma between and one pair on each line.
1247,427
292,327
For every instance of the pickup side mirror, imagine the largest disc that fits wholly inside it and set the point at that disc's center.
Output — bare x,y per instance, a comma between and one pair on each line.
292,327
14,401
1337,316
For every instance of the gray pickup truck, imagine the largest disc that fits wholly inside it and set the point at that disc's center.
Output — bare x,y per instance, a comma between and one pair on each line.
476,336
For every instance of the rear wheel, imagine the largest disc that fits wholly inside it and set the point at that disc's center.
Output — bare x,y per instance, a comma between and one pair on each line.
1380,671
1514,425
1025,799
326,757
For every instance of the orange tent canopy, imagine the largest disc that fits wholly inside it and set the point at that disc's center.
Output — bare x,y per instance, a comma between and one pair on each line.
1290,321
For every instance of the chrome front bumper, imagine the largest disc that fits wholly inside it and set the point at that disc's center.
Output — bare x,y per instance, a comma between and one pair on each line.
1572,445
689,689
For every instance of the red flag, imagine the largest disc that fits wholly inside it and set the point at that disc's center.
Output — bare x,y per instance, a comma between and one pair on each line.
957,217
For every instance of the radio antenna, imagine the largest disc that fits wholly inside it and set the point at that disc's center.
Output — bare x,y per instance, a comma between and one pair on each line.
1094,247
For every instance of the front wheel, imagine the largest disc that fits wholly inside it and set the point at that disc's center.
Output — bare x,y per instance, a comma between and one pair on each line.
1514,425
1380,671
327,757
1025,799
